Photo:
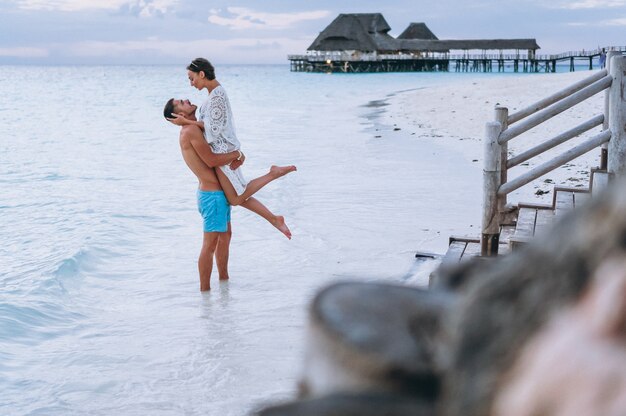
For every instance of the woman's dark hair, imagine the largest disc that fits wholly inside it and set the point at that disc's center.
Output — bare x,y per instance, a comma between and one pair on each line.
169,109
201,64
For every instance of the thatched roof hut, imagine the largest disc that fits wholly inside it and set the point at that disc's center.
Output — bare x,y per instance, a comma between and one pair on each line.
369,32
418,31
366,32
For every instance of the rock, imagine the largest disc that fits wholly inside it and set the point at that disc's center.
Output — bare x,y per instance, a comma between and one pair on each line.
373,337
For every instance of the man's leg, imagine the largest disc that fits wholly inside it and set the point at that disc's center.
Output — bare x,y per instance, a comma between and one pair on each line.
205,261
222,252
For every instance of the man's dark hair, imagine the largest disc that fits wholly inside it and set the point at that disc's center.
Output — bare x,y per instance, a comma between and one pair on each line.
168,110
201,64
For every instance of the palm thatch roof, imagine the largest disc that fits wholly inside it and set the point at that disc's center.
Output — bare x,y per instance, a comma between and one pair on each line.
417,31
358,31
369,32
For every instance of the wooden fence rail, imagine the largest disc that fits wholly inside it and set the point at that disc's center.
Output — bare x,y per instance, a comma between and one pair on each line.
496,185
555,141
541,104
550,165
556,108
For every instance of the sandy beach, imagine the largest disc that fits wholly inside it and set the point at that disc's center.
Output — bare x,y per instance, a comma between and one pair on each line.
454,116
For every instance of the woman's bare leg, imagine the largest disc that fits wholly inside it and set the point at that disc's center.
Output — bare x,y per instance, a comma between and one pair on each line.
253,186
254,204
277,221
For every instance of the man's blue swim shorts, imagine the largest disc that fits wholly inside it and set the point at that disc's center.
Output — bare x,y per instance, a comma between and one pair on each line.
215,211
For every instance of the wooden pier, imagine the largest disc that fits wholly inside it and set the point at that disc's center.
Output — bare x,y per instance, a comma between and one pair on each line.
340,62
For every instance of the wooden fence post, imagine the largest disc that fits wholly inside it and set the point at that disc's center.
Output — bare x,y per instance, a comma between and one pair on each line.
605,125
502,115
490,237
617,116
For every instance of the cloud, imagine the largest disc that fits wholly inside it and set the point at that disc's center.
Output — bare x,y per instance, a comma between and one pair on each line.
142,8
70,5
148,8
24,52
601,23
243,18
615,22
590,4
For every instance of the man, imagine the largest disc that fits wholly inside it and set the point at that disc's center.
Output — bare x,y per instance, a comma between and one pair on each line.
212,202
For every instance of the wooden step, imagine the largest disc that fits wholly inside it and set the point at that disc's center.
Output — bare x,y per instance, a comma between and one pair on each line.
465,248
566,199
457,247
506,232
471,250
531,221
525,228
563,202
545,217
599,181
580,198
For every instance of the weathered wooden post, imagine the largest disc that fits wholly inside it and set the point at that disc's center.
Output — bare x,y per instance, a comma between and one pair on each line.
502,116
605,124
617,116
490,237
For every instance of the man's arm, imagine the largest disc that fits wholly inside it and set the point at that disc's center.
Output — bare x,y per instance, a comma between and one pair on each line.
202,148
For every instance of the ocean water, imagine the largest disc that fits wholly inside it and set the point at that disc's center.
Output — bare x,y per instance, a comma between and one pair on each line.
100,311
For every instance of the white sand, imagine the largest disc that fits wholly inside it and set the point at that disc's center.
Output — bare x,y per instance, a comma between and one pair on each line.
455,115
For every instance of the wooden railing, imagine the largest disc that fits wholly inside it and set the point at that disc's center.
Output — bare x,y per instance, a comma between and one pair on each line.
496,185
583,53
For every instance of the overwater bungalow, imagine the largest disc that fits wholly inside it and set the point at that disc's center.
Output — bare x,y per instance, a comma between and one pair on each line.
360,42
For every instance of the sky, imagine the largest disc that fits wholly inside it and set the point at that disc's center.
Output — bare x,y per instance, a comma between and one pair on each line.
54,32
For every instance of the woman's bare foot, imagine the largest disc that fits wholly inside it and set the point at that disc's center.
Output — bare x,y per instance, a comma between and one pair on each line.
279,223
278,171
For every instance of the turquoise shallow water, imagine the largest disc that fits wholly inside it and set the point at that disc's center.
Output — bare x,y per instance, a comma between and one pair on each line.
99,305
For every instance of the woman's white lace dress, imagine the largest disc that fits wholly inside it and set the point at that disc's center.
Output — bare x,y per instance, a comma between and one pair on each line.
219,132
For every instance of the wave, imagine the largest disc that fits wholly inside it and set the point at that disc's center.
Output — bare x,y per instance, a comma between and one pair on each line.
68,274
44,308
35,322
70,271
